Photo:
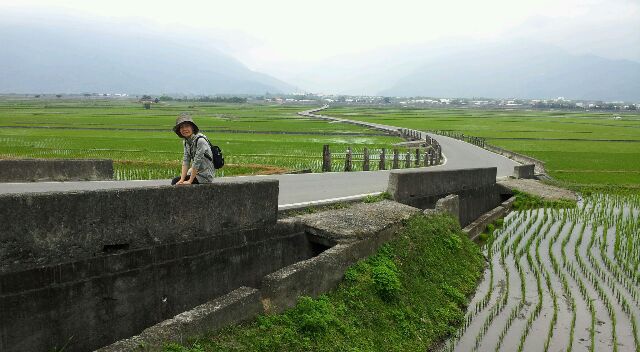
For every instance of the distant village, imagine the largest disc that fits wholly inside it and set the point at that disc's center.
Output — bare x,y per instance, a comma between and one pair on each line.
365,100
421,102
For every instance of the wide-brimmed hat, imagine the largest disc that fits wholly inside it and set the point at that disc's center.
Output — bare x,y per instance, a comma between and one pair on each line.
184,118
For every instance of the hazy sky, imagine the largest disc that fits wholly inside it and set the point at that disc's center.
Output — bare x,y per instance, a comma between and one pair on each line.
268,34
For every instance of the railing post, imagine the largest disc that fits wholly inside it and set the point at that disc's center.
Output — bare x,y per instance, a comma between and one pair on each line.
326,158
417,161
347,160
381,164
396,158
365,163
426,156
407,160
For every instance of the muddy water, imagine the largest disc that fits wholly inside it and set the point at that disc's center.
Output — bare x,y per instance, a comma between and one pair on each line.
586,302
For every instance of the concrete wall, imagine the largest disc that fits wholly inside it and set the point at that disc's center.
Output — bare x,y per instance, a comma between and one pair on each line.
476,189
25,170
475,228
49,228
93,302
524,171
84,269
378,223
539,165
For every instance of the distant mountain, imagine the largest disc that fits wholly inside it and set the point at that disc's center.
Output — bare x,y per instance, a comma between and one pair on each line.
521,71
63,60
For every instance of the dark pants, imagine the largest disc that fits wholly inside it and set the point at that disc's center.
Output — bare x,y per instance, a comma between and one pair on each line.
176,179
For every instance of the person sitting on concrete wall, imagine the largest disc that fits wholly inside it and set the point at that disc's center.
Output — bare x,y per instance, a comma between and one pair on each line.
197,152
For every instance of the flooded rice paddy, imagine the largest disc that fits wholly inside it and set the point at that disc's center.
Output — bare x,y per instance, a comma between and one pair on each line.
560,280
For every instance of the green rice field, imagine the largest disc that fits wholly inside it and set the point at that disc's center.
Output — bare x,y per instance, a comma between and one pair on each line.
579,148
254,138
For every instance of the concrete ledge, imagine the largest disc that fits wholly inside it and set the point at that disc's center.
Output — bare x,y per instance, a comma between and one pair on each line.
238,306
539,165
281,289
21,170
475,188
474,229
524,171
508,204
539,189
408,185
450,205
358,221
46,228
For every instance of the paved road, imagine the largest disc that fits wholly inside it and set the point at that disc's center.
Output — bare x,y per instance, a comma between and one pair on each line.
459,154
304,189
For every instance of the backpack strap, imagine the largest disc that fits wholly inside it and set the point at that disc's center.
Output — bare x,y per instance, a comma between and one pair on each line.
195,144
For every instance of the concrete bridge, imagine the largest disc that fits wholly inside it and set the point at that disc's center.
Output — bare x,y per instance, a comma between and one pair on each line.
84,264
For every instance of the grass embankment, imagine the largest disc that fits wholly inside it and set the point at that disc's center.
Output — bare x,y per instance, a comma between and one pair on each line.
526,201
409,296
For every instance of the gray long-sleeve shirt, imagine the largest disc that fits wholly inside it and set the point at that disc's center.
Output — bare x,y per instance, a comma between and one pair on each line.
195,155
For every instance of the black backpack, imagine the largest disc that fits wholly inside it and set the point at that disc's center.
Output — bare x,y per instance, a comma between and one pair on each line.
218,158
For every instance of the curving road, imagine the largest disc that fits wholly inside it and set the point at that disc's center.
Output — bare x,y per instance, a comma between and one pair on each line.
458,154
307,189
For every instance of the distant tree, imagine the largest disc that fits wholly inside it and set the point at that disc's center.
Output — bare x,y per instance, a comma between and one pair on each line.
147,105
386,100
165,98
58,95
156,100
146,97
235,100
37,95
633,107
